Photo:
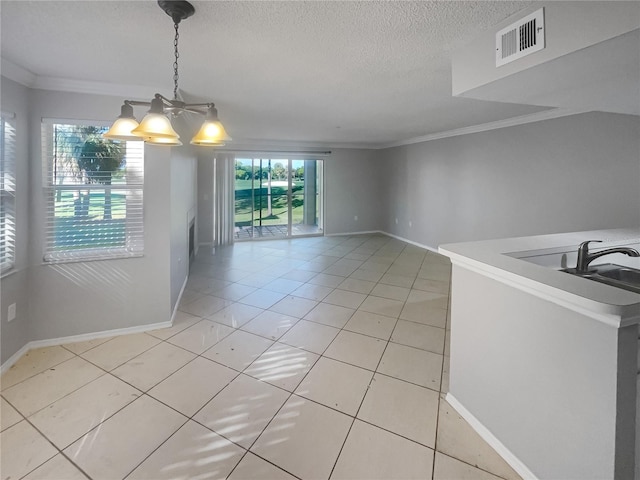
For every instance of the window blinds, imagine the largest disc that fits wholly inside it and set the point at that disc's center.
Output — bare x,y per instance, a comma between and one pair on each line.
7,192
94,194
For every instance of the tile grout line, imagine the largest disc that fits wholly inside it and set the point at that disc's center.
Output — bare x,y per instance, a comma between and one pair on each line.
371,380
105,372
290,394
444,347
143,393
322,355
276,341
293,393
188,418
58,450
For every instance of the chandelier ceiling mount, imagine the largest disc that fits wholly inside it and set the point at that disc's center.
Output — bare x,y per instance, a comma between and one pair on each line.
178,10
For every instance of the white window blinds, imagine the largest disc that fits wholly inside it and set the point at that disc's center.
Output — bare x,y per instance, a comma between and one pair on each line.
7,192
94,192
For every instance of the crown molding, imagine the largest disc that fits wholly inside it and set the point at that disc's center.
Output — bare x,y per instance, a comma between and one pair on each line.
23,76
16,73
130,92
484,127
284,145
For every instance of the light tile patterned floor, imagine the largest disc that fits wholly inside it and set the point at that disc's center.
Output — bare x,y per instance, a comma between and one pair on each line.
311,358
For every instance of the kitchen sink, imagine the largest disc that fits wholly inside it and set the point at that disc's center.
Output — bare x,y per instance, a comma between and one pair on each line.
615,275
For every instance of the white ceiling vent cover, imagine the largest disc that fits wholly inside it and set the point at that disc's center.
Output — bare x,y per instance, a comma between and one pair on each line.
520,39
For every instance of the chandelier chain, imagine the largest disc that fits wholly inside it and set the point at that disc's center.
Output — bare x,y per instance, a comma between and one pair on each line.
156,127
175,63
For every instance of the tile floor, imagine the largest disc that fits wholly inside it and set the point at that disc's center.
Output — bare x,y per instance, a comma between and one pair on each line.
311,358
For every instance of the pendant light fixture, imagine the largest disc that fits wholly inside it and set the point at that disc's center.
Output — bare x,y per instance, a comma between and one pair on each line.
155,128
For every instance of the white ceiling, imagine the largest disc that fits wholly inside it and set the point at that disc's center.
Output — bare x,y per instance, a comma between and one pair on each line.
331,72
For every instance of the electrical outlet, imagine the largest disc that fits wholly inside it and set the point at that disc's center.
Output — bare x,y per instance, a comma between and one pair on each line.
410,224
356,218
11,312
396,221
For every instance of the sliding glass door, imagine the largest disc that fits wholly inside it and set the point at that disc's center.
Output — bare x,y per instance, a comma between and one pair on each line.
277,197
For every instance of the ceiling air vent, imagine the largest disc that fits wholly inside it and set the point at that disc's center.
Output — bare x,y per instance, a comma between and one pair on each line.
521,38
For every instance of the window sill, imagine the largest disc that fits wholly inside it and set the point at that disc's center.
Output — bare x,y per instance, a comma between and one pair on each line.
87,256
8,272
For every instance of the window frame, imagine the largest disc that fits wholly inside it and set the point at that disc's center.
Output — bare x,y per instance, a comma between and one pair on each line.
288,159
134,200
7,193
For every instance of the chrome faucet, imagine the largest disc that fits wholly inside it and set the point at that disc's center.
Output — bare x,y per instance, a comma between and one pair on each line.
585,258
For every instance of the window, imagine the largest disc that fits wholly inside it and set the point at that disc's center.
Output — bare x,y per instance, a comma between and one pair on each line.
277,197
7,193
94,193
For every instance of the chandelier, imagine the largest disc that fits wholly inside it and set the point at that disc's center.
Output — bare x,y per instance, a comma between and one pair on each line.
155,128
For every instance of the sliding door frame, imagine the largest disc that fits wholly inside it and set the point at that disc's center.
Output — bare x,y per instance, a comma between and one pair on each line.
259,159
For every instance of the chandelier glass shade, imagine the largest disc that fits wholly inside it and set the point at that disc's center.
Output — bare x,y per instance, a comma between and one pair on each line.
155,124
155,128
124,125
167,142
212,132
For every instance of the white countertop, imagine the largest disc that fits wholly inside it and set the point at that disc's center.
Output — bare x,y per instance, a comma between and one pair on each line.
498,259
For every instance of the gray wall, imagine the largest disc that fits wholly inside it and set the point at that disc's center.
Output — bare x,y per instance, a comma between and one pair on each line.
183,209
14,286
353,186
568,174
74,298
204,224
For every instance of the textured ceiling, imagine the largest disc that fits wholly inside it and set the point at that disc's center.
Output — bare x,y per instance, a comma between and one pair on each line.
366,73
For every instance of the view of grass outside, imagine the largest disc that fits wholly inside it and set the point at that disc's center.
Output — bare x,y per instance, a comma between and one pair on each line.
80,221
253,203
262,196
90,199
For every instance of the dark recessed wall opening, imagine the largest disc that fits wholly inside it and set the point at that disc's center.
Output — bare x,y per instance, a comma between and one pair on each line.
192,231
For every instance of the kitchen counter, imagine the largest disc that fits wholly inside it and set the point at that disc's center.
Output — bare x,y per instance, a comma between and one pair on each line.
503,258
543,363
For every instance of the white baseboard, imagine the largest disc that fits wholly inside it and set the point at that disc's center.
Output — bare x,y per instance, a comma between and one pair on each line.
406,240
50,342
491,439
14,358
382,232
364,232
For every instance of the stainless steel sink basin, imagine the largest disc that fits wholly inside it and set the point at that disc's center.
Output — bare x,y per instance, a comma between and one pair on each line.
625,274
612,274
